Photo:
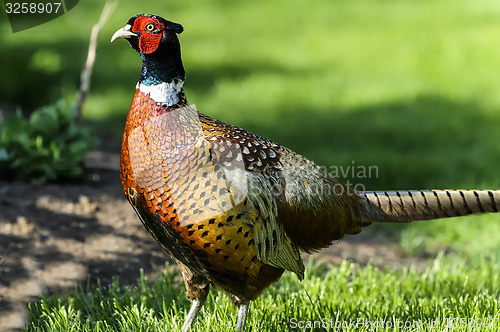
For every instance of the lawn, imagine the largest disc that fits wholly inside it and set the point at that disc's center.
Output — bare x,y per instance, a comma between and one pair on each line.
407,86
349,297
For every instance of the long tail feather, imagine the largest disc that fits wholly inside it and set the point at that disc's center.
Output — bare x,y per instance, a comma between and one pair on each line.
406,206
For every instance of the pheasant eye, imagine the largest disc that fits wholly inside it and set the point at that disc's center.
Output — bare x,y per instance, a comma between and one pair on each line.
150,27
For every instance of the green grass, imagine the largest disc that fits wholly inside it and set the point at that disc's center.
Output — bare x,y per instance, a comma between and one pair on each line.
339,294
407,86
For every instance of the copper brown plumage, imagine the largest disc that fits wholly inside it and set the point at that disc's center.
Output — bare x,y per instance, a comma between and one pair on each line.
236,210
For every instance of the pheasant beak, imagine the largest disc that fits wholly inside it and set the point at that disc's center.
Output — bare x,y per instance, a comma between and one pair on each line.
123,33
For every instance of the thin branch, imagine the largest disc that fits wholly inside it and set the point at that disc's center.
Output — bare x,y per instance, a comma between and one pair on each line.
109,7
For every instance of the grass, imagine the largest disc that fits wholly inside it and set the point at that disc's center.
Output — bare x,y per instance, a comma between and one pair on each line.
407,86
352,296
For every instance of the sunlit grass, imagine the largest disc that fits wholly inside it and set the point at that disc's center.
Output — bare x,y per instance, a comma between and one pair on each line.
352,296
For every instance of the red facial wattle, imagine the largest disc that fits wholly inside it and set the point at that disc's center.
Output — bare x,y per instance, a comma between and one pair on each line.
148,43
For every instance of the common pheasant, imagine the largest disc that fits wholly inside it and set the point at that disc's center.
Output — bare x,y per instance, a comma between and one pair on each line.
233,209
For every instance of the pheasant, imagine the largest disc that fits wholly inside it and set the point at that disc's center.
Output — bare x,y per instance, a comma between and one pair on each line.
233,209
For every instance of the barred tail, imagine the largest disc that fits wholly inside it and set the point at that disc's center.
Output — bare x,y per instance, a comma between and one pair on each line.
406,206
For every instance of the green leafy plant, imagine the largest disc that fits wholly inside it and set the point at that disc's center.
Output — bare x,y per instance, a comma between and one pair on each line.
48,146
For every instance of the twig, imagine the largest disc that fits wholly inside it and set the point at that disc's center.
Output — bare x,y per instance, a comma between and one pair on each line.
109,7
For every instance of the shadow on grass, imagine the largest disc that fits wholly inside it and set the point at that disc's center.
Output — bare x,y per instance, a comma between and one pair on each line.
428,142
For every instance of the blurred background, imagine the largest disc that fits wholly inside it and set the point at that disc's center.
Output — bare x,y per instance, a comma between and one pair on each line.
410,87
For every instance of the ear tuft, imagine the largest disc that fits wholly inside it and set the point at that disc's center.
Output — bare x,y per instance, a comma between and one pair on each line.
175,27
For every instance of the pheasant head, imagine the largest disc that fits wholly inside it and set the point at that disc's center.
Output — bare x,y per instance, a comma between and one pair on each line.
162,75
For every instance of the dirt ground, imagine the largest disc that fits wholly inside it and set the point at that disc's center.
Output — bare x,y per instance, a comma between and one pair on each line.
55,237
